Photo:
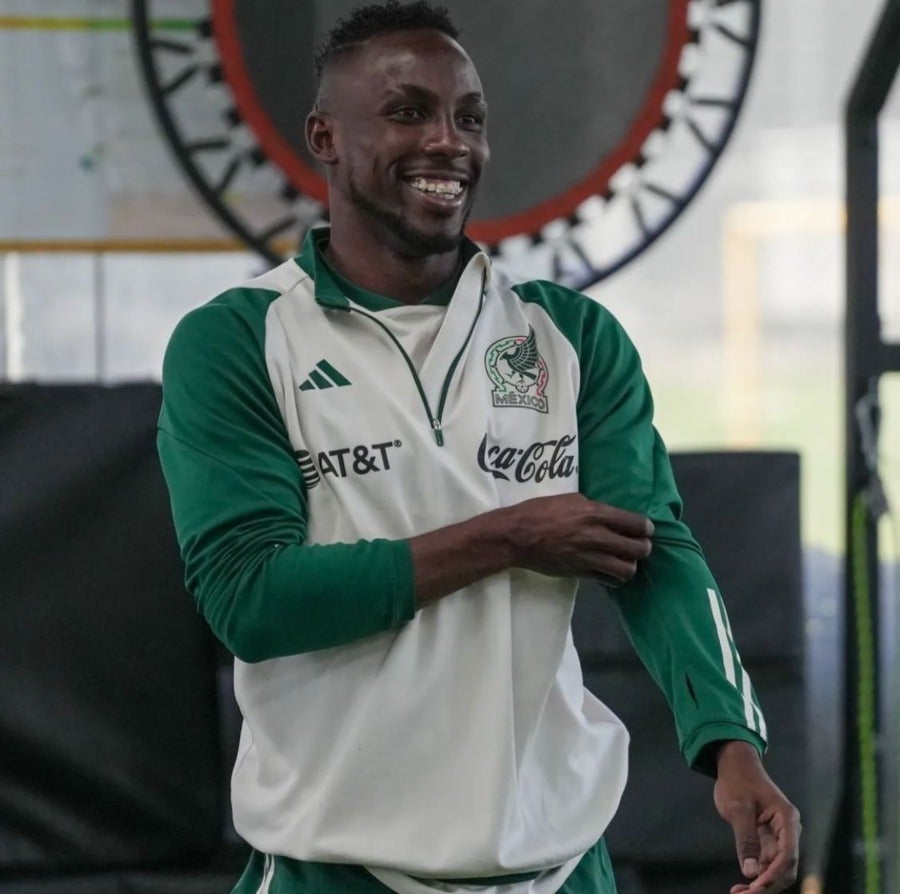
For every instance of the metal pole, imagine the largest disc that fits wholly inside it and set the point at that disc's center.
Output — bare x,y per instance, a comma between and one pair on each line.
855,866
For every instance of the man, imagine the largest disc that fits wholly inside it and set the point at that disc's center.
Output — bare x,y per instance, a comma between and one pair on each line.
388,468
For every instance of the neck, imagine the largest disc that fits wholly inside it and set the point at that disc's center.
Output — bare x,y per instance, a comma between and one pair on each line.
373,265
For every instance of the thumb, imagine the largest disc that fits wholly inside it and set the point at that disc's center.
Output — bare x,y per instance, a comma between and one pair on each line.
746,837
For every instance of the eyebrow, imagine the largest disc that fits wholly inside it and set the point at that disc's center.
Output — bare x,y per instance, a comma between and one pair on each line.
422,93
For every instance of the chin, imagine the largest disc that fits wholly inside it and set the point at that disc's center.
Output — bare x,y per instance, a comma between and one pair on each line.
421,242
412,232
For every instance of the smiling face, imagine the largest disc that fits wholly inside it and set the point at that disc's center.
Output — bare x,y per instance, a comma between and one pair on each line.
400,123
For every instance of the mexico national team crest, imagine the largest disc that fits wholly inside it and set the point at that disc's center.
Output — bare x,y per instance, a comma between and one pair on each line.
518,372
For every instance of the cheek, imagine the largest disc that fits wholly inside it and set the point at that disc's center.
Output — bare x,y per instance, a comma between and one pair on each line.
482,151
361,164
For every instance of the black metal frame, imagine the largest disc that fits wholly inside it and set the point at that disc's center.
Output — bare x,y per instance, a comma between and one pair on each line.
867,358
143,43
740,94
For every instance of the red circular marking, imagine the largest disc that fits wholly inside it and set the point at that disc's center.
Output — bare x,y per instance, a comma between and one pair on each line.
492,230
596,182
275,146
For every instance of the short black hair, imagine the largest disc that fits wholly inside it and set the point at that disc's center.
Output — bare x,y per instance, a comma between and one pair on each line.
382,18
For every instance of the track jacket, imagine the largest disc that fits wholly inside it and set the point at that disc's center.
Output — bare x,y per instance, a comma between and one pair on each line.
302,446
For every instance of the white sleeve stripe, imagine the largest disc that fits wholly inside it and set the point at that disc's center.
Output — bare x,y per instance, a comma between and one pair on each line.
749,707
761,725
724,644
752,713
727,619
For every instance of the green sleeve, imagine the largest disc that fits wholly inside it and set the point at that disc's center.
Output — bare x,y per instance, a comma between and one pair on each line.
672,611
239,505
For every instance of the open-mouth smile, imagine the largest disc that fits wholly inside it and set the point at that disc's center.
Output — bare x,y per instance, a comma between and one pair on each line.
442,190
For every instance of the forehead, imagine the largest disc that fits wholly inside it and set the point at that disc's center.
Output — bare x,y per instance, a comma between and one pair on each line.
427,59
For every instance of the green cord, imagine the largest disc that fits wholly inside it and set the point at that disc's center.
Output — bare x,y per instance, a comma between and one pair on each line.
866,708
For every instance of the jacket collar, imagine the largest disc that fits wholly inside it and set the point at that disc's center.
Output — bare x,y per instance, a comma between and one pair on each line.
328,291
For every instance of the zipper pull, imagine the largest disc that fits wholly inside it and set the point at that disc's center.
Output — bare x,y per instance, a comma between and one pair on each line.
438,432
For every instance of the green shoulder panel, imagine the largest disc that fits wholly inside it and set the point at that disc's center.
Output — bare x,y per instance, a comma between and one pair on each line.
239,504
217,395
619,446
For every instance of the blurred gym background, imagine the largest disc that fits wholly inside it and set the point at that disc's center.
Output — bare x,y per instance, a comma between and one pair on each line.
690,163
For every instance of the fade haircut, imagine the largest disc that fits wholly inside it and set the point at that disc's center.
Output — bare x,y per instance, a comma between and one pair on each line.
381,18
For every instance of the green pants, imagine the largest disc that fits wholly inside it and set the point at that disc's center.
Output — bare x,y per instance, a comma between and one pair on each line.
593,875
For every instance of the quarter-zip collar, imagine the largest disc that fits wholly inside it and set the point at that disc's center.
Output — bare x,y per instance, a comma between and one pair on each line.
310,260
435,379
331,288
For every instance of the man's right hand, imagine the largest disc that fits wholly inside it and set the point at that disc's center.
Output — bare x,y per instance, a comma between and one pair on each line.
565,535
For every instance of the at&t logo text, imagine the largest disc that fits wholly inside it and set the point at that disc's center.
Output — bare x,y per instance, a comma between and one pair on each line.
343,461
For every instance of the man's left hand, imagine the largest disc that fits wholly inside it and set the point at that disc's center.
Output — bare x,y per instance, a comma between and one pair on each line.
766,825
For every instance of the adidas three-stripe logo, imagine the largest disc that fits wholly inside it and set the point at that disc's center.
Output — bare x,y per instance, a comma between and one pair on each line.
323,376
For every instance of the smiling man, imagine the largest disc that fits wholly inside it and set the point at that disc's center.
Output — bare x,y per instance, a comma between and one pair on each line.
400,123
388,469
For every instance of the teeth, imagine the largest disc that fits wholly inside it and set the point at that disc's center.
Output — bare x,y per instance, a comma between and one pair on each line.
438,187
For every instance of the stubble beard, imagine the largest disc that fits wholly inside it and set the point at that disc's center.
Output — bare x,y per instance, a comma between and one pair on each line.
409,241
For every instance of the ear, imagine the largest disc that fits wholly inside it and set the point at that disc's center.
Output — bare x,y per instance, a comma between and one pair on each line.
320,137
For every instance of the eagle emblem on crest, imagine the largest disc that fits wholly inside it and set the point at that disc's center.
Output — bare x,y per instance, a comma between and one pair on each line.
518,372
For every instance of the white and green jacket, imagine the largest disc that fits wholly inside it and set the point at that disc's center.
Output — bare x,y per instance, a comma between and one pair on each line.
305,437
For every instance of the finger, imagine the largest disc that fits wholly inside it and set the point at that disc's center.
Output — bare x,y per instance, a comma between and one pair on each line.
781,874
613,571
632,524
768,845
782,871
622,568
615,544
609,582
742,817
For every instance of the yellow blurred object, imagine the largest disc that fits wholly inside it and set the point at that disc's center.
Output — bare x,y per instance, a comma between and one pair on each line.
811,885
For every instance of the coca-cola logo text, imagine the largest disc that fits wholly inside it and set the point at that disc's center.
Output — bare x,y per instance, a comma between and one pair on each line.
540,460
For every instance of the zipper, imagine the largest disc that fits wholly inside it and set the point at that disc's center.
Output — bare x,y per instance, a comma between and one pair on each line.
434,420
268,875
445,389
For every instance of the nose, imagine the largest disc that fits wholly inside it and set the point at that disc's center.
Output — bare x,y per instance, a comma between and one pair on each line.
443,137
